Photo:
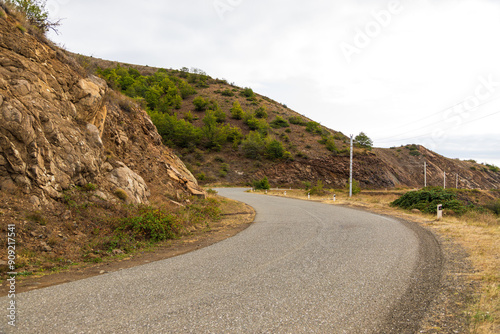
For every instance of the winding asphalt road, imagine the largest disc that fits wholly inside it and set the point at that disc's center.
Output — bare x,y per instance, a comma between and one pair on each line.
302,267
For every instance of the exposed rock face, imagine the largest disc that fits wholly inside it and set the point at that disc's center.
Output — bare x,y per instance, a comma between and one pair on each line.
59,128
379,169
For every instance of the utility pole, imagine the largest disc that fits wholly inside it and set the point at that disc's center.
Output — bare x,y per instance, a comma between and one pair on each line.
350,173
425,174
444,181
457,182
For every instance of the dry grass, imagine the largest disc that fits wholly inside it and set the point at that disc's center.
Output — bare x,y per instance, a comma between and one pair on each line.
478,233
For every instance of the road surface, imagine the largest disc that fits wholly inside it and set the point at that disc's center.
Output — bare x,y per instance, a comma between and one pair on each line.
302,267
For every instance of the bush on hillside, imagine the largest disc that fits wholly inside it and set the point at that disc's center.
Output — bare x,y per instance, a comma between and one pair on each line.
248,93
314,127
297,120
427,199
253,146
262,184
318,189
36,14
279,122
261,113
200,104
494,206
356,189
237,111
274,149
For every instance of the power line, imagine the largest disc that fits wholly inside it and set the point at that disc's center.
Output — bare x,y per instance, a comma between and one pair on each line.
426,135
432,115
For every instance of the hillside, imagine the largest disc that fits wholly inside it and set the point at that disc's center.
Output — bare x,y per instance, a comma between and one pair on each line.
72,159
269,139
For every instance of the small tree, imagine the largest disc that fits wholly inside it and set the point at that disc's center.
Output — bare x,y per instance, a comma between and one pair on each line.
318,189
261,113
274,149
356,189
262,184
236,110
363,141
253,146
200,104
36,14
279,122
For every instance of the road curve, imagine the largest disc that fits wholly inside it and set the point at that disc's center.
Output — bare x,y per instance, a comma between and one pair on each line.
302,267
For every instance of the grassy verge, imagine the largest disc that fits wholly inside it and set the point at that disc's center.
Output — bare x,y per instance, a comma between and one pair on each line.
477,232
85,229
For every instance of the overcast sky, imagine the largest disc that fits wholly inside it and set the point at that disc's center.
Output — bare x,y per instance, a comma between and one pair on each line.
403,72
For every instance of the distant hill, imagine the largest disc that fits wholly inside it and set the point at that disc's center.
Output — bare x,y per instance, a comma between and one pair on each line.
265,138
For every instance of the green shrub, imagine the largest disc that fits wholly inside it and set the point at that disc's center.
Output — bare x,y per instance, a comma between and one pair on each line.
188,117
339,136
318,189
214,135
234,134
494,168
255,124
253,146
261,113
427,199
200,104
220,115
200,176
262,184
248,93
330,145
297,120
121,194
36,14
302,155
274,149
185,89
151,224
313,127
279,122
363,141
227,92
494,206
175,132
415,153
236,111
356,189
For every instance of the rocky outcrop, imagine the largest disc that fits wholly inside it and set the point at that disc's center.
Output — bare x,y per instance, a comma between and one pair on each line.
60,128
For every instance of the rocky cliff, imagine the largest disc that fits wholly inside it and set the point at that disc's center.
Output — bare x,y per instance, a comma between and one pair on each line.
61,128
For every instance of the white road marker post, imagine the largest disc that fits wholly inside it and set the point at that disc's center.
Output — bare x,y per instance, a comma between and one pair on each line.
439,211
